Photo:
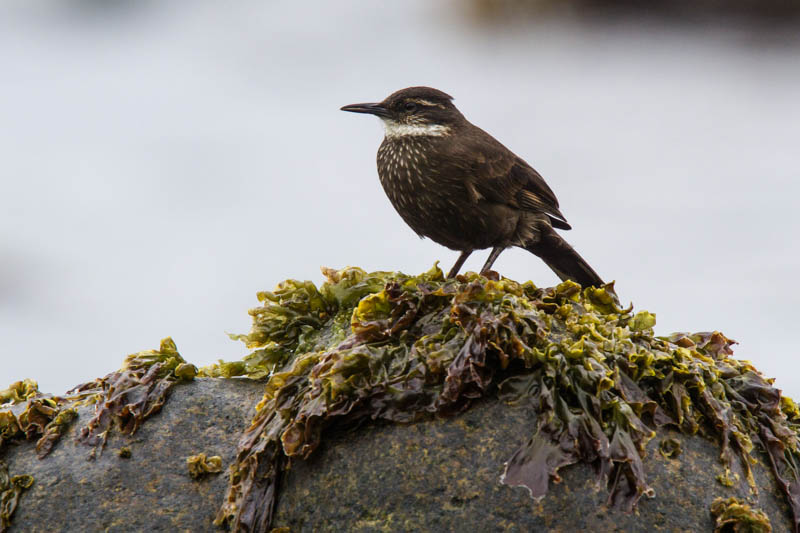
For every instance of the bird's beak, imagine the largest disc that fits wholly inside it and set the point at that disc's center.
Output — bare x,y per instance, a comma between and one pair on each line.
372,109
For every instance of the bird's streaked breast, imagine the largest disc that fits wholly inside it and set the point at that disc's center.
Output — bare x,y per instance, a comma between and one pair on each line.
426,200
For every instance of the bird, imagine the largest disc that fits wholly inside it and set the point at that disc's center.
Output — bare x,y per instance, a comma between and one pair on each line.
454,183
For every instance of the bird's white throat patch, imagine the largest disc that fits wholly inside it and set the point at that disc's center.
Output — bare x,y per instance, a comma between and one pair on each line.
396,129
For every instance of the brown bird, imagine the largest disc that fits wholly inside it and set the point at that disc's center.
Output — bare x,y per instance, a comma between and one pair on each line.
456,184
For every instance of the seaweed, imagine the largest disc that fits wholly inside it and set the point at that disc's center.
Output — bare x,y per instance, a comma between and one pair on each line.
54,429
126,398
43,416
123,399
199,465
386,346
19,391
669,448
732,515
11,488
9,428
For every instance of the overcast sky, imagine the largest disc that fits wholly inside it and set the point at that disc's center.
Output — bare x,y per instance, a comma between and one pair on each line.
163,163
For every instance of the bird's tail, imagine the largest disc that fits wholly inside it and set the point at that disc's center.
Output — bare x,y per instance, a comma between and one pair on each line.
563,259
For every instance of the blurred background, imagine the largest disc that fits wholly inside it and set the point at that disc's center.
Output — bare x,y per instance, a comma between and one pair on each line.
160,162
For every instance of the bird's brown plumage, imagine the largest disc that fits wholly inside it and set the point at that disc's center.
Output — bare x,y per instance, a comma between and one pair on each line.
501,176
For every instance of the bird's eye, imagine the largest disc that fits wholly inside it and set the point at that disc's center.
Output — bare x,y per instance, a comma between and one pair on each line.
410,106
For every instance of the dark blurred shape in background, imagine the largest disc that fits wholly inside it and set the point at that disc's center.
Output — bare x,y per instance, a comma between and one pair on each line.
756,11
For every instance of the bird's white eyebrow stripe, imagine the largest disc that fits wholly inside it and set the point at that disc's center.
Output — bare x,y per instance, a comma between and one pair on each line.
428,103
396,129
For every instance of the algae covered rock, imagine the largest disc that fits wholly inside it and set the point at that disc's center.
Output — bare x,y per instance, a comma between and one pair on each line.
443,475
393,402
138,482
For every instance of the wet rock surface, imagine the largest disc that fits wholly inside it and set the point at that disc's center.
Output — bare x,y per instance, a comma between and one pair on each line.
151,490
437,475
444,475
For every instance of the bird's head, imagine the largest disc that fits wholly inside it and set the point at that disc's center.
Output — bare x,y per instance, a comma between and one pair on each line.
415,111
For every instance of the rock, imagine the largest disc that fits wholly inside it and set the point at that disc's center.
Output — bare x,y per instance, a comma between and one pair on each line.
444,475
438,475
150,491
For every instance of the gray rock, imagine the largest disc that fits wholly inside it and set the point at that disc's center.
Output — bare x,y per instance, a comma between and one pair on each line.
444,475
439,475
151,490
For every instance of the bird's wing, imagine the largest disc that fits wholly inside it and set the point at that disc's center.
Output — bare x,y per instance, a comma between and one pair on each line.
498,175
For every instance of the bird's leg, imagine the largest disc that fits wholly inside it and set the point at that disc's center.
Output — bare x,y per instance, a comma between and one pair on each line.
459,263
496,251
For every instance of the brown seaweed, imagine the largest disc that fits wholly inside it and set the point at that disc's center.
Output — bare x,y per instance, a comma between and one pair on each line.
385,346
44,417
126,398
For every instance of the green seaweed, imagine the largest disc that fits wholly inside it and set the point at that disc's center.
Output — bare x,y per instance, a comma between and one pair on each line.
669,448
386,346
728,478
11,488
732,515
9,428
19,391
199,465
